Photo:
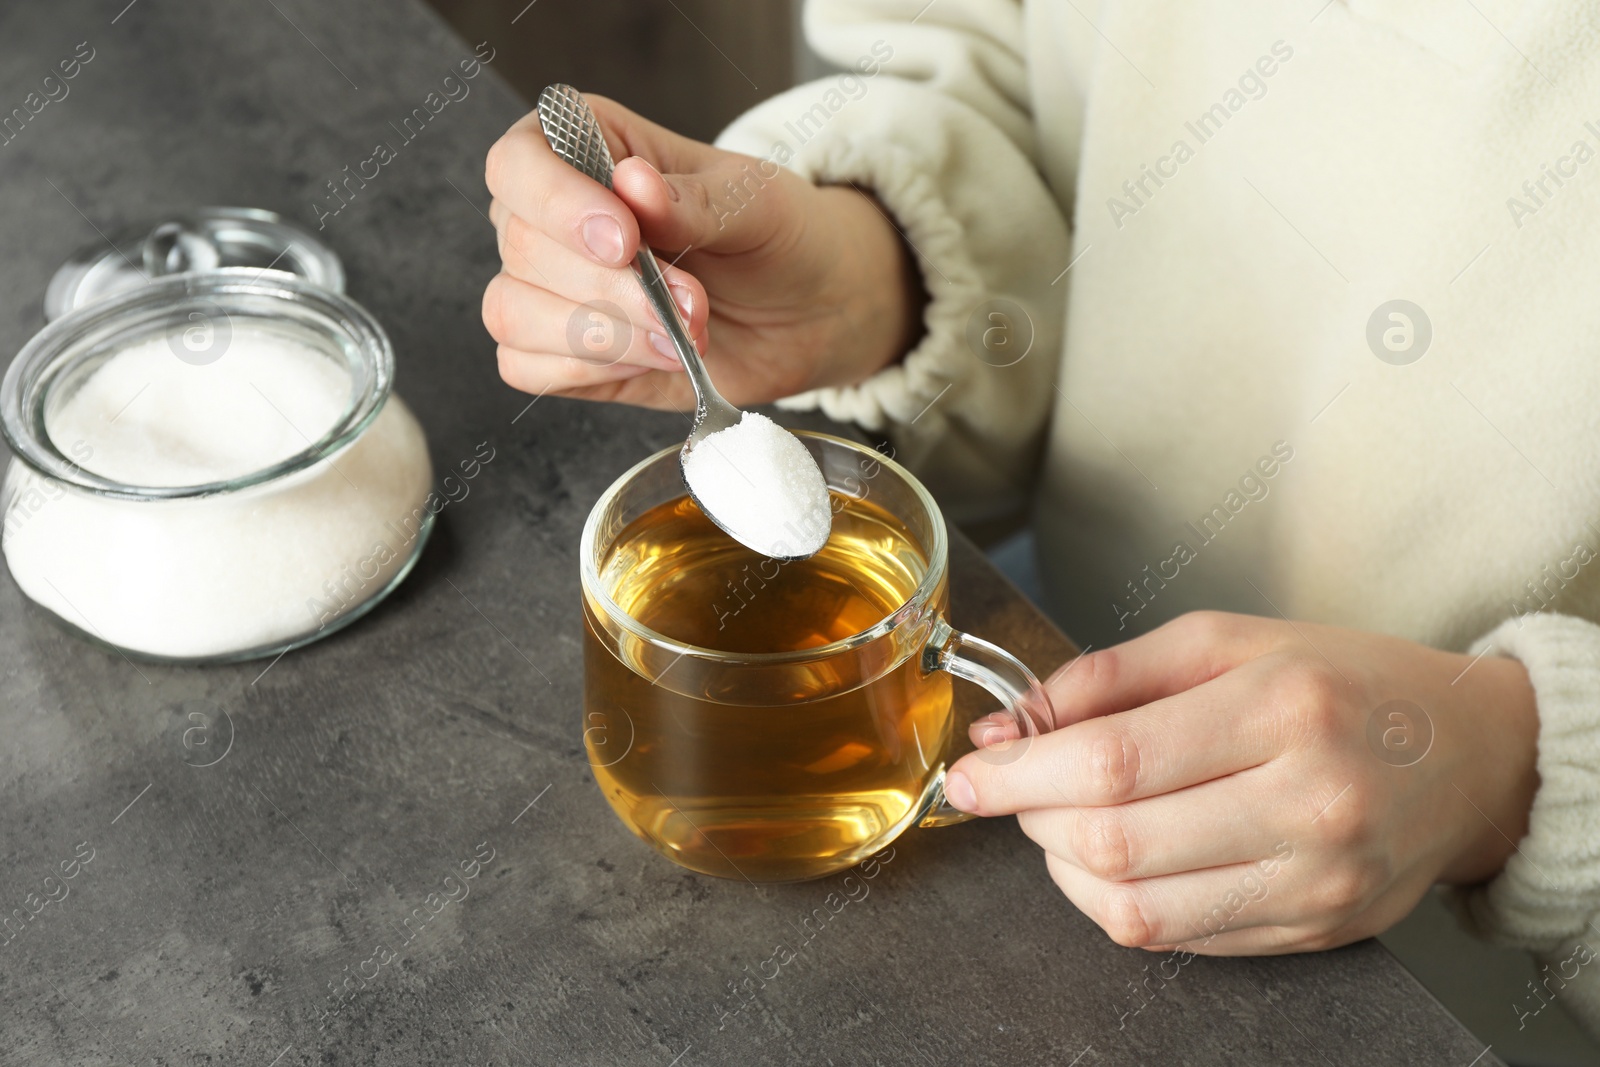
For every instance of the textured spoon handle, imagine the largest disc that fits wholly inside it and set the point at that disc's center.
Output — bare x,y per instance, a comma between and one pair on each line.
574,133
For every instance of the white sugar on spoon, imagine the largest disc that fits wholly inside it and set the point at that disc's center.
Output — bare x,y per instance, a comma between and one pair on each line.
757,481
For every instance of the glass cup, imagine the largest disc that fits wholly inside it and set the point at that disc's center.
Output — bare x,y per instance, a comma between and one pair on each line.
775,766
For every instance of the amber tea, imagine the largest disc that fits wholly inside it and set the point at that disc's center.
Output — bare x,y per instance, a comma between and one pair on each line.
798,780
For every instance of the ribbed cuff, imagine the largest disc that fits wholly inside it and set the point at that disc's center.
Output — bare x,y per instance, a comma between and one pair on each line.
1547,899
1549,892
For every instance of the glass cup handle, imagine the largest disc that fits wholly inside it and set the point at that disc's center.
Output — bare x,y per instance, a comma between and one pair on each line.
1006,678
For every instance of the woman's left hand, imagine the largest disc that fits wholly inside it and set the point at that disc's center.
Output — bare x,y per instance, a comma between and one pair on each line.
1242,786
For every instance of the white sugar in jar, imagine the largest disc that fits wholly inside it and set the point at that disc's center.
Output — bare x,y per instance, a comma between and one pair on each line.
211,467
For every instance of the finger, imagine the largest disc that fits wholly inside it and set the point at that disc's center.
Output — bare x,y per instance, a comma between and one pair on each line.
630,134
1212,825
533,256
1000,726
1223,726
534,183
1179,655
1188,651
1177,908
543,372
688,193
534,319
1255,941
648,390
1336,905
529,319
734,204
499,216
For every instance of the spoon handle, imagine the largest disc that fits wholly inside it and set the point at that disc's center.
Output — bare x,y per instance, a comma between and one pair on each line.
659,294
575,135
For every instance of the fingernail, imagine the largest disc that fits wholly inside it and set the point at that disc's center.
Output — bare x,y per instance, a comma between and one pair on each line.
664,348
604,238
958,791
995,728
684,299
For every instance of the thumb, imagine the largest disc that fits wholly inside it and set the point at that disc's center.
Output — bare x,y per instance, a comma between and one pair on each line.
734,205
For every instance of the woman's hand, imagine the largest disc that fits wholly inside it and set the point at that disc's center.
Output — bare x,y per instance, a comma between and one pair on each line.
1242,786
785,286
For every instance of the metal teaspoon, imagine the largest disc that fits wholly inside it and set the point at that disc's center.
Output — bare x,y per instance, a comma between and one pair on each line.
575,135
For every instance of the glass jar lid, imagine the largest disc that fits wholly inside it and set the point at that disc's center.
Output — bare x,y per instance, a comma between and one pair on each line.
211,306
204,239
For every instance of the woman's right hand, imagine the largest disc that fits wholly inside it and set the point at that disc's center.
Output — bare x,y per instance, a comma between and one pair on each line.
785,286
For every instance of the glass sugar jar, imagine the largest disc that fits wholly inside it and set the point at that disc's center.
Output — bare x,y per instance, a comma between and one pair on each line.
211,465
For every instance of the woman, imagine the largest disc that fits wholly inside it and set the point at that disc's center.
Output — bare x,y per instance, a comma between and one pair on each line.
1279,313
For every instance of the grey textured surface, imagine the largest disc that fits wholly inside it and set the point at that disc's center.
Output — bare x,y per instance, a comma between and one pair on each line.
224,902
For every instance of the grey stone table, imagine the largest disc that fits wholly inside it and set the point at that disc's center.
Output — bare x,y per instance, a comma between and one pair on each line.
216,908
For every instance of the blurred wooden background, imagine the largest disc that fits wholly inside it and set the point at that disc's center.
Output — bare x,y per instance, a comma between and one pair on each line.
691,65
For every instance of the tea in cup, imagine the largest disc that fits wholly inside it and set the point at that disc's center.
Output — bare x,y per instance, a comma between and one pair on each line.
771,720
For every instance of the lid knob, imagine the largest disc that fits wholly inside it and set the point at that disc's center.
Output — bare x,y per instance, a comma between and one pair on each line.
173,248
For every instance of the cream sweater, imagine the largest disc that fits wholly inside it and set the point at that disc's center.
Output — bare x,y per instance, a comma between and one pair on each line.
1200,215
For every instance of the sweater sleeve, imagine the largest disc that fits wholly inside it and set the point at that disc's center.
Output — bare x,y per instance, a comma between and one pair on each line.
932,116
1547,899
